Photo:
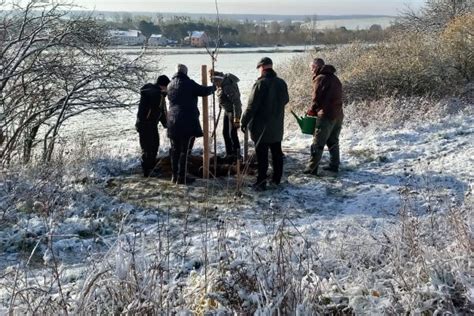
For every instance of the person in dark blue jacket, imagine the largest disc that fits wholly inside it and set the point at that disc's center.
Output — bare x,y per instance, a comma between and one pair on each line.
183,120
151,110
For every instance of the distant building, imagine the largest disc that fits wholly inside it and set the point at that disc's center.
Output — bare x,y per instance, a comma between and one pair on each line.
199,39
157,40
130,37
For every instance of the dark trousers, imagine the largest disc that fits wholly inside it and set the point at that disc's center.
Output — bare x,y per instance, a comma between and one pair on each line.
180,150
262,161
326,134
231,139
149,143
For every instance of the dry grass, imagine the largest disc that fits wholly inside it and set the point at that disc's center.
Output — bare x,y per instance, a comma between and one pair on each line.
420,263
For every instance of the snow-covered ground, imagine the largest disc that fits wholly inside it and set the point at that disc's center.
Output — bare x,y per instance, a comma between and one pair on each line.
392,233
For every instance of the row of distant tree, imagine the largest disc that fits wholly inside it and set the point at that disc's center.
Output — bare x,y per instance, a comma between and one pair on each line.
249,33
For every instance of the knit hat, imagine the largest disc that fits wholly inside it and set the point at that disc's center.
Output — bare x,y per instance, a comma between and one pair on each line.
182,69
163,80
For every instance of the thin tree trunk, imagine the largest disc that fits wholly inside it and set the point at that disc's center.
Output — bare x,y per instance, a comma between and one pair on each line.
28,143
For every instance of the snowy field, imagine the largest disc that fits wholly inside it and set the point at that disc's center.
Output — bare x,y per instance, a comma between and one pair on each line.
391,234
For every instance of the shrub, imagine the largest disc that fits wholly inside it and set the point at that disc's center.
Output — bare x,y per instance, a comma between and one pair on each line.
298,76
458,45
406,65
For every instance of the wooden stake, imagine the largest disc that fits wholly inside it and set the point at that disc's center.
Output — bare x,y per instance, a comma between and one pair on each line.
205,126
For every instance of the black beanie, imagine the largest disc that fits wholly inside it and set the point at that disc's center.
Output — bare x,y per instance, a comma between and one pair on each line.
163,80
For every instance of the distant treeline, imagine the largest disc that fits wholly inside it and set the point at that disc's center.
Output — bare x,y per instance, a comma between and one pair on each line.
248,33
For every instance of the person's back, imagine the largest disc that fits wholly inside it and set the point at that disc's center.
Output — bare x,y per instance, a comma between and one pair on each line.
327,107
228,95
264,117
149,107
327,93
183,114
183,120
181,93
268,121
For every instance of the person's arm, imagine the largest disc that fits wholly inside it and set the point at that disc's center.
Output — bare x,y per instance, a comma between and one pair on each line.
318,91
286,98
144,107
202,91
164,112
233,94
255,100
143,110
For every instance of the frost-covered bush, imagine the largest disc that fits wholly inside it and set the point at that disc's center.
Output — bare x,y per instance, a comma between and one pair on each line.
54,66
414,267
407,64
458,45
50,213
396,112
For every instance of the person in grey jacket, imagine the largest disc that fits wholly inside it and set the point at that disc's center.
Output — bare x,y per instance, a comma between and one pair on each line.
229,100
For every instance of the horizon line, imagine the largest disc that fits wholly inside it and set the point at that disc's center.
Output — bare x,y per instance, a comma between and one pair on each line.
246,14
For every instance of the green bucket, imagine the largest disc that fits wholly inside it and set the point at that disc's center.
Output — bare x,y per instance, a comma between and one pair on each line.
306,123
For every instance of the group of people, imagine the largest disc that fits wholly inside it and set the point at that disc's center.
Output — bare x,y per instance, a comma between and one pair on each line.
263,118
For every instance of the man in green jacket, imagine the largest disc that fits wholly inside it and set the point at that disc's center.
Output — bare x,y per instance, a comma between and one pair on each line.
264,118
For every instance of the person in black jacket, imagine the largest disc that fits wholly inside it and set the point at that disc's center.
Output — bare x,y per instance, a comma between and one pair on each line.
151,110
183,120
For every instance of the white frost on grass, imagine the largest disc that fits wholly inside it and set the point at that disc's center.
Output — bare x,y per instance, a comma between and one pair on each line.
339,236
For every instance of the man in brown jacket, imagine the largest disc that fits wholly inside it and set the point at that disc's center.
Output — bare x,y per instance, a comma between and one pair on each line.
327,107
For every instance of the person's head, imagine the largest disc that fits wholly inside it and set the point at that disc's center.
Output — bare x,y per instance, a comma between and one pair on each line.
316,65
216,77
182,69
264,64
217,80
213,72
163,82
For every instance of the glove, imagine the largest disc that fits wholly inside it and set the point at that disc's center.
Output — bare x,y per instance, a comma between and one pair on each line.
310,112
236,123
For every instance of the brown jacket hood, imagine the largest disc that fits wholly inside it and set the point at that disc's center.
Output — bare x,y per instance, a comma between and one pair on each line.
327,70
231,77
327,93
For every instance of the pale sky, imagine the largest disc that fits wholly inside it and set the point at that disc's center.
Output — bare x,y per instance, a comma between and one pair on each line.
285,7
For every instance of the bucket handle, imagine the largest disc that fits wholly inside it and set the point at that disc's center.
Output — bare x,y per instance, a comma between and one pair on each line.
298,118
